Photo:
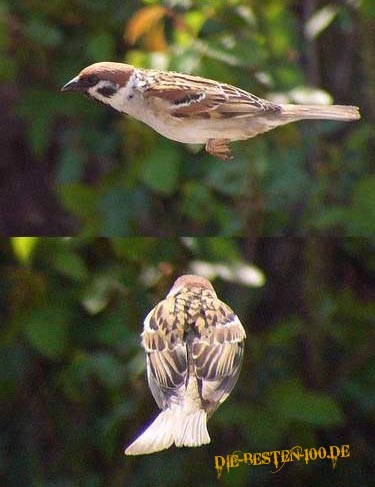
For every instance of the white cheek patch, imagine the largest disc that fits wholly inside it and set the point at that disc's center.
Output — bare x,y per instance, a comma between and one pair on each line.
120,99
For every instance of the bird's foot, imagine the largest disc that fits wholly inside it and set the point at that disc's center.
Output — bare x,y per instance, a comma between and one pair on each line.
219,148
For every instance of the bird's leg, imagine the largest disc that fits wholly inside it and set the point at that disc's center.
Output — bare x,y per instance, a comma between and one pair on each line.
219,148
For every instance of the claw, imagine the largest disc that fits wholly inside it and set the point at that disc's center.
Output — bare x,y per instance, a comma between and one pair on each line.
219,148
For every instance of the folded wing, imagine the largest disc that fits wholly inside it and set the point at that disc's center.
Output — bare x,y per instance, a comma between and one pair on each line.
166,354
217,355
198,97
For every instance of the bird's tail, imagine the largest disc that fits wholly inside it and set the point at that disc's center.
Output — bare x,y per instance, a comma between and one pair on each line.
192,430
172,426
321,112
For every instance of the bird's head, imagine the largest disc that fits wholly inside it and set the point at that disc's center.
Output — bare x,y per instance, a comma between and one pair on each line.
190,281
105,82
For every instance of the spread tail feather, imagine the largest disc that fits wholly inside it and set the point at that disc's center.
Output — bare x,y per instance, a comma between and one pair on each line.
171,426
321,112
192,430
158,436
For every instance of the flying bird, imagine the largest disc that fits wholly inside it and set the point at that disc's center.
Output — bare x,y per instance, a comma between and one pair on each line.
191,109
194,346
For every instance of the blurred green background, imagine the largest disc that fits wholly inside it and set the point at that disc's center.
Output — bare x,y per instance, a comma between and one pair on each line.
73,390
69,166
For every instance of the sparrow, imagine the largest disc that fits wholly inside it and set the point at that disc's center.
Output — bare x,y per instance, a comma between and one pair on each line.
191,109
194,346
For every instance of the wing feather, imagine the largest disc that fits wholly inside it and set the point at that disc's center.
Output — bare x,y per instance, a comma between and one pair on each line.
218,354
196,97
162,339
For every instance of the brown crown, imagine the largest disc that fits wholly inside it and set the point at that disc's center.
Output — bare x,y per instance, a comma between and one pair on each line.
118,73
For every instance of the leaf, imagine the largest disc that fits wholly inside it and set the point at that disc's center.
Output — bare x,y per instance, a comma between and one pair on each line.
101,46
368,9
44,34
292,402
197,201
70,166
15,365
23,248
239,272
119,208
46,329
107,368
265,432
146,22
320,20
133,248
229,178
284,333
39,107
360,218
71,265
330,217
116,332
98,293
309,95
194,20
160,170
155,39
78,199
247,14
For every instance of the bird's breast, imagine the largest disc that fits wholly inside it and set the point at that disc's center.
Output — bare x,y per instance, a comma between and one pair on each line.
156,116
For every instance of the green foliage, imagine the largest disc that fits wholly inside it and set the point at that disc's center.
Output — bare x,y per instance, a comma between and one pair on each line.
73,390
23,248
295,404
46,330
161,177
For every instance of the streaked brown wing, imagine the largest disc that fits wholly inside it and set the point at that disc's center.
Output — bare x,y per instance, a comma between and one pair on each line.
218,355
202,98
241,104
166,354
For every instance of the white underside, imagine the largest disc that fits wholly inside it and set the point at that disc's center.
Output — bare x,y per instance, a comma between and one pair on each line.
200,131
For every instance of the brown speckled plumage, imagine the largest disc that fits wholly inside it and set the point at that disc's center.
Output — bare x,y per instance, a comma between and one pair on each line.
194,344
192,109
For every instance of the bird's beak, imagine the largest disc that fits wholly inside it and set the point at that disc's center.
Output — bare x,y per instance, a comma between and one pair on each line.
74,85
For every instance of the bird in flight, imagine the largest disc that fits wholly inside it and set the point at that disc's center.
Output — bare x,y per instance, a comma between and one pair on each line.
191,109
194,346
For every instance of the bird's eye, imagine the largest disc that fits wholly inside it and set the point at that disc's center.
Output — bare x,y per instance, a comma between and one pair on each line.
92,80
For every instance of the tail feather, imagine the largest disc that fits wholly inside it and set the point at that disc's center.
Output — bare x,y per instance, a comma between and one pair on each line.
172,426
321,112
192,430
158,436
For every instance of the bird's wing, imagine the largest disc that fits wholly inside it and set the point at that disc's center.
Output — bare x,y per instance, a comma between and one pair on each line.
217,352
183,95
162,339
